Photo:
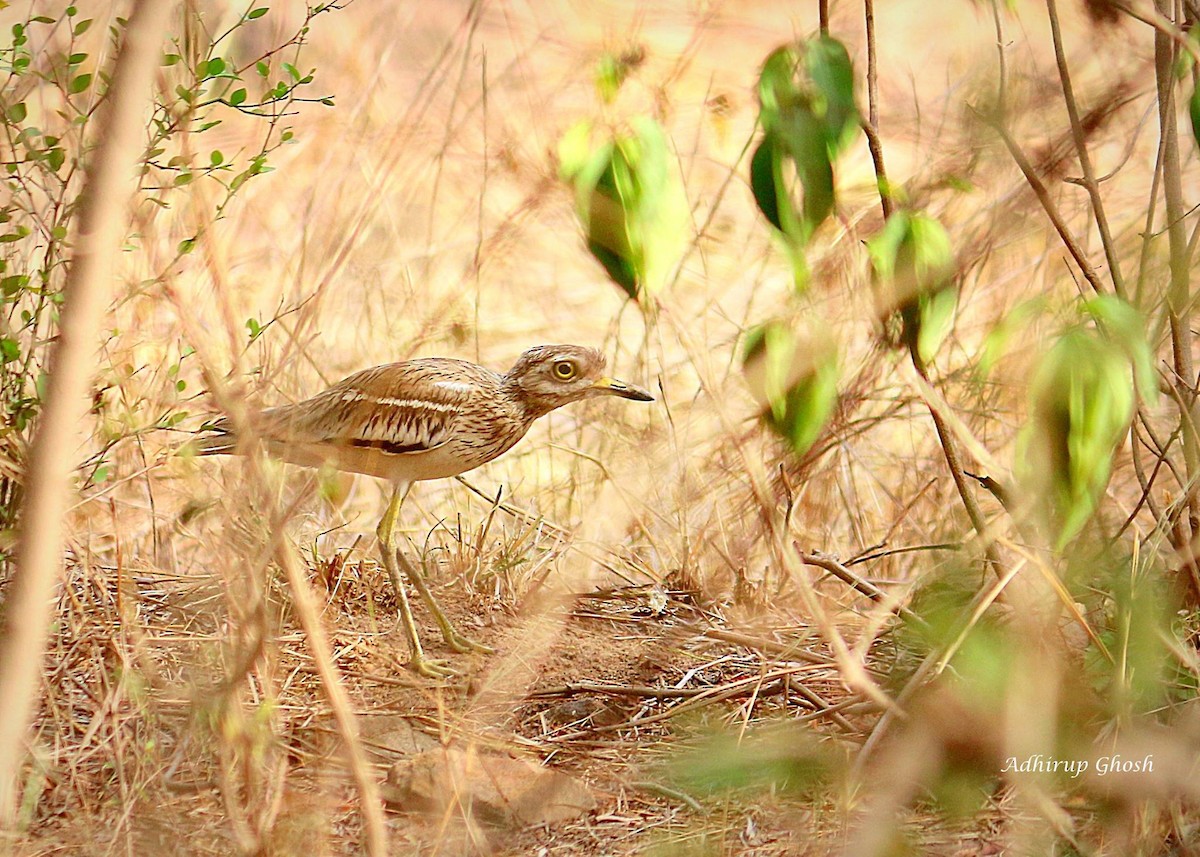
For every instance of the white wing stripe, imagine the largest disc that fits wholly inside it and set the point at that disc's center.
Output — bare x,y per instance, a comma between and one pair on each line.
407,404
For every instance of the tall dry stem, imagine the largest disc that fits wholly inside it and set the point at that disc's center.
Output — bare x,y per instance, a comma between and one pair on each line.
86,294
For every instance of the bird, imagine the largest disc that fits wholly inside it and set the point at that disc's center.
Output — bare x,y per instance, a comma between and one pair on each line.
415,420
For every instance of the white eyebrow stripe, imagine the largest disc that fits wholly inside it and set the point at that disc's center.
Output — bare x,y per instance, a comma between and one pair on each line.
407,404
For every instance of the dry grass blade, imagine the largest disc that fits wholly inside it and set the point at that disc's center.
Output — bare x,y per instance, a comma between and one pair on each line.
102,220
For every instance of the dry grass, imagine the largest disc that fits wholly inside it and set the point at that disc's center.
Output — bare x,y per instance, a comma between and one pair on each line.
183,712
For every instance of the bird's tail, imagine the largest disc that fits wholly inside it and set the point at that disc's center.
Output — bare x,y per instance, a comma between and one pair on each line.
217,438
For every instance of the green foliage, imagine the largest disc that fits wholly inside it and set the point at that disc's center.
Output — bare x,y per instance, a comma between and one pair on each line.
45,150
1124,327
808,115
1138,616
795,378
1081,400
778,758
613,69
630,200
913,263
1194,112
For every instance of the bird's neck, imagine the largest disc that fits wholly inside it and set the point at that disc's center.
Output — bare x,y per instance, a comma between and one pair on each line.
528,405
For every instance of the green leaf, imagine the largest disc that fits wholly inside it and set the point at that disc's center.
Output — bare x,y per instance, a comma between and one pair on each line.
257,13
913,263
13,283
100,475
10,350
610,74
630,201
17,112
238,96
764,169
76,59
1081,401
832,75
187,245
80,83
81,27
216,158
170,59
997,339
808,114
575,150
262,68
934,321
1194,111
210,68
780,759
794,378
775,86
56,157
1125,326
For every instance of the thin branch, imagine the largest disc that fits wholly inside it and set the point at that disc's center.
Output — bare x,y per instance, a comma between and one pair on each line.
1085,161
1178,293
1043,195
871,126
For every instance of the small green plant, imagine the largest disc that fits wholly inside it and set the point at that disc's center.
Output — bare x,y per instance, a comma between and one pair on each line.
795,378
630,201
809,117
53,86
1081,401
913,264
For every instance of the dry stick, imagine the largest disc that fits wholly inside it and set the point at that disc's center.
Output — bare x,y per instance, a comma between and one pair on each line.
1178,298
857,583
309,613
1145,482
1043,195
768,646
1085,161
871,126
719,693
86,293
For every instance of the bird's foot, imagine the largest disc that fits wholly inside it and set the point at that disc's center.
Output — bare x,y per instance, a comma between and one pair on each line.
463,644
431,667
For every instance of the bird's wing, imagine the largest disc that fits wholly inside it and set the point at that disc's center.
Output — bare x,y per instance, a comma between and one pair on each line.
397,408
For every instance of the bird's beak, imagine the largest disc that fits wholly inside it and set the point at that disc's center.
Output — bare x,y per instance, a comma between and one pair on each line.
619,388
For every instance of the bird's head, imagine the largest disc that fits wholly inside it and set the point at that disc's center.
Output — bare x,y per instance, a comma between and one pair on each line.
550,376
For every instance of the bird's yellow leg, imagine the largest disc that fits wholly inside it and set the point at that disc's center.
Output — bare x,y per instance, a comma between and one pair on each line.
387,547
455,640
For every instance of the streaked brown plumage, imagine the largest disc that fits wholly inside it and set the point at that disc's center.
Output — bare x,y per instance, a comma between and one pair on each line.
424,419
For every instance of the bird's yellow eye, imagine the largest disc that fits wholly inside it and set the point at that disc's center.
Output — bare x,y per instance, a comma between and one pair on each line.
564,370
